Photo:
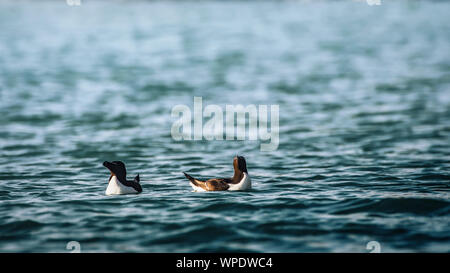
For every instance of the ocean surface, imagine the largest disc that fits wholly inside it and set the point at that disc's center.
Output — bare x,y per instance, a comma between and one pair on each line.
364,104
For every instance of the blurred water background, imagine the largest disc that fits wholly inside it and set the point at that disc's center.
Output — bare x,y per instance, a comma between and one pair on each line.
364,103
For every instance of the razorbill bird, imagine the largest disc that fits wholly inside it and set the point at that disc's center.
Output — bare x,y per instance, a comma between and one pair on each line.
239,182
118,183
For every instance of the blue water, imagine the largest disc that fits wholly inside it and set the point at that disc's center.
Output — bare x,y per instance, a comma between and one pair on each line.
364,99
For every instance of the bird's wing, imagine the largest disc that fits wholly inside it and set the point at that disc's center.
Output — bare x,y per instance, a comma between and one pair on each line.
217,184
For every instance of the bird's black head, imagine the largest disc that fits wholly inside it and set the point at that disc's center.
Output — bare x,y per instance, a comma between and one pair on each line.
116,168
239,162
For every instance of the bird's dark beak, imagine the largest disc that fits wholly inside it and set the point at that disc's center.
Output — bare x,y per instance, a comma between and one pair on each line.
106,164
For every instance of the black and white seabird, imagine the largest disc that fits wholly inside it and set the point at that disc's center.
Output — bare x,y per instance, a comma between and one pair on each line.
118,183
239,182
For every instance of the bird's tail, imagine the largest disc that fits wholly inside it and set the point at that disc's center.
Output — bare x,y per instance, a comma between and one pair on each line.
193,180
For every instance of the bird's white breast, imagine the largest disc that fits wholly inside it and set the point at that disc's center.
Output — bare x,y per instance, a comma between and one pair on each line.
244,184
115,187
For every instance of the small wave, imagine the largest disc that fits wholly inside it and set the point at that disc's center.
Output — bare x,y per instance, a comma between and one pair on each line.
420,206
221,206
22,226
434,177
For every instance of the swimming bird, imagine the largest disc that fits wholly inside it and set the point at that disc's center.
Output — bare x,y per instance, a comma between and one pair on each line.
118,183
239,182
